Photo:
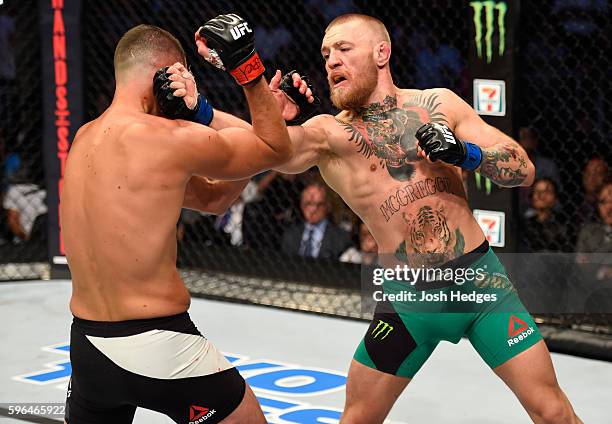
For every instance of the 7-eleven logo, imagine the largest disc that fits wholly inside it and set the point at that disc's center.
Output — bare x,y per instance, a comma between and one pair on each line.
197,414
512,326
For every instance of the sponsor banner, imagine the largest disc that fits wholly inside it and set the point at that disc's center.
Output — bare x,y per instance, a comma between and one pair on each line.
493,226
491,66
490,97
60,26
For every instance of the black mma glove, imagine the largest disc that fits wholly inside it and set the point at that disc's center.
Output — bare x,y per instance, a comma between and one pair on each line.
439,143
174,107
307,109
232,47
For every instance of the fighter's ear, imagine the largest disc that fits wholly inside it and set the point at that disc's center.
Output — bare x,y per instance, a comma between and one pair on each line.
382,53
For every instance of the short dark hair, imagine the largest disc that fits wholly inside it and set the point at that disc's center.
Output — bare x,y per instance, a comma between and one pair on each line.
371,21
549,181
606,183
147,45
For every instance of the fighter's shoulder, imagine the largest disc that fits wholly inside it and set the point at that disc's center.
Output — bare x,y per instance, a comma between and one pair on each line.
439,93
82,131
323,121
320,129
155,127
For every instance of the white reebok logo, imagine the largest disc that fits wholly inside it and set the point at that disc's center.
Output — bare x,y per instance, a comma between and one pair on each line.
239,30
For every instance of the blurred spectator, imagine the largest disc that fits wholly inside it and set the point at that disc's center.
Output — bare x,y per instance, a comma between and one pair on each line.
25,202
597,237
231,222
545,168
317,236
545,230
368,248
593,177
276,207
6,235
196,233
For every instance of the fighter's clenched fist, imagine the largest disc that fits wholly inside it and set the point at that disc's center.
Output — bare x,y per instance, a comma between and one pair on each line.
228,42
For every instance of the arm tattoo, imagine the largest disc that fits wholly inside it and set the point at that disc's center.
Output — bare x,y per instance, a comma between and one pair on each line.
503,165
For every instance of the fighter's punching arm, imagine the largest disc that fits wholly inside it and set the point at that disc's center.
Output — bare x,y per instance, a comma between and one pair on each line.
310,144
293,94
236,153
228,43
477,146
308,141
212,196
175,85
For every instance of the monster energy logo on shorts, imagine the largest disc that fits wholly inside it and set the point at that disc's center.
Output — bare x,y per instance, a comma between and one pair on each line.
489,17
382,328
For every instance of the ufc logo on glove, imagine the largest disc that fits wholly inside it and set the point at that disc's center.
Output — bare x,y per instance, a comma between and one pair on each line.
239,30
448,135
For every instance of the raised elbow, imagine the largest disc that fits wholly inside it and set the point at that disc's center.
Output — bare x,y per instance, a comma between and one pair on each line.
287,152
282,153
287,146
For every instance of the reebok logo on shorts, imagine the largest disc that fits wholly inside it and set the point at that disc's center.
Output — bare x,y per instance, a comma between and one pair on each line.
197,414
518,330
514,321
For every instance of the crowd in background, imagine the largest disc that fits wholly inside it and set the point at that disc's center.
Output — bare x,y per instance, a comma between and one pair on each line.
298,215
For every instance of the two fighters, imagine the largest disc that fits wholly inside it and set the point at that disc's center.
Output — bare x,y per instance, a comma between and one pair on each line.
403,179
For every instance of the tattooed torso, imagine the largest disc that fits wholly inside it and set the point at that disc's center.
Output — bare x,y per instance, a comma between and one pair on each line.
416,210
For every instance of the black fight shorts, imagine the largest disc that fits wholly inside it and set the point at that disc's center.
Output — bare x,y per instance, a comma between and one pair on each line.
162,364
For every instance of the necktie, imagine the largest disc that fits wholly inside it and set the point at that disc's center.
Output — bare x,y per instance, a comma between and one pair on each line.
308,244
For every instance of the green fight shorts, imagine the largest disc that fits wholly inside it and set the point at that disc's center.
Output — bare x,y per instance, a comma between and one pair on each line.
411,320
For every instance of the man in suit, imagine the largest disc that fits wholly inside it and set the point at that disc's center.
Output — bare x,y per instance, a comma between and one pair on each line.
317,236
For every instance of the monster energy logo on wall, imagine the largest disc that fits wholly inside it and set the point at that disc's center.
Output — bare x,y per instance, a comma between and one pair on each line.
489,19
382,328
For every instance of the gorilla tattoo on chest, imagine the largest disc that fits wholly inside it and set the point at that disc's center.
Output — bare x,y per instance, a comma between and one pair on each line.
387,131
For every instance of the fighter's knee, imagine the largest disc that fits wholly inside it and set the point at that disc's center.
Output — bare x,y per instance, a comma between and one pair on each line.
555,409
352,419
354,415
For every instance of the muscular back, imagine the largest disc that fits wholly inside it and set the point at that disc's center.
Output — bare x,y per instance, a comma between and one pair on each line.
120,202
411,206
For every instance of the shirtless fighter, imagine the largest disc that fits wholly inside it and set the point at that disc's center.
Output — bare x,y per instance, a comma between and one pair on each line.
128,174
403,179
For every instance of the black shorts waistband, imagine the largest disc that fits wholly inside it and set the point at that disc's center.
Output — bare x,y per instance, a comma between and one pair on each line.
180,323
468,258
463,261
